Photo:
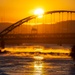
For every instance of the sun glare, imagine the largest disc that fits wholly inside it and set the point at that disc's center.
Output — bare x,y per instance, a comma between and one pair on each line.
39,12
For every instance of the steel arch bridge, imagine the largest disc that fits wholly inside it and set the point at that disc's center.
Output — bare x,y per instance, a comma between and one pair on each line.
37,32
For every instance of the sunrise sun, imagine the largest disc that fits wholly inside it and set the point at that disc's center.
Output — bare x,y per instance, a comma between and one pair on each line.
39,12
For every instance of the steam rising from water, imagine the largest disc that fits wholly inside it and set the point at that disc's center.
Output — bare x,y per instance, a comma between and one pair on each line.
31,51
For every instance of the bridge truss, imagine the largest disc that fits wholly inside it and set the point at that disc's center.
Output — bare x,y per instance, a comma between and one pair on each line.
36,30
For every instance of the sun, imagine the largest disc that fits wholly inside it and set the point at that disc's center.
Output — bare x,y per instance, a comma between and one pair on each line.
39,12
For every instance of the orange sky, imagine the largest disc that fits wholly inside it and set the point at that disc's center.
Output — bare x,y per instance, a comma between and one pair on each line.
14,10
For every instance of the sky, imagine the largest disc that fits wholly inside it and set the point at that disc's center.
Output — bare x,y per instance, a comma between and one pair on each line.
14,10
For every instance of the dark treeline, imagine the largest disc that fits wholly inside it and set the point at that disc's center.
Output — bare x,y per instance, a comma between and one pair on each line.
72,54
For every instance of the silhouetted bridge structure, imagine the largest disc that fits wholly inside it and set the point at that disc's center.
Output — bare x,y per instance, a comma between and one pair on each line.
56,27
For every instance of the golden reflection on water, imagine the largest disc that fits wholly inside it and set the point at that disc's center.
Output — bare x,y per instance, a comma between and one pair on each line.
38,67
38,57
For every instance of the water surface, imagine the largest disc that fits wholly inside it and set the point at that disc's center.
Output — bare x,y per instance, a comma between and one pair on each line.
15,65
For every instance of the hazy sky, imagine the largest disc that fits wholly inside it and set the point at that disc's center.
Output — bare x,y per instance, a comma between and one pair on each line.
13,10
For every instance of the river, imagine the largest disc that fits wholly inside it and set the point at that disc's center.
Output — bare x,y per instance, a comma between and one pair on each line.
20,64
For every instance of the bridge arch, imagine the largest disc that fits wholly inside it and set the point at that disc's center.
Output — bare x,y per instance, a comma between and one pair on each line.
13,26
47,37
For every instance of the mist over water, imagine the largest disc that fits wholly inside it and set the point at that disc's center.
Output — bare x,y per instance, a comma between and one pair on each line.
21,61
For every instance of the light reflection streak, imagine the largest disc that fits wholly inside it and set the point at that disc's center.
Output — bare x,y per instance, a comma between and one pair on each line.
38,67
38,57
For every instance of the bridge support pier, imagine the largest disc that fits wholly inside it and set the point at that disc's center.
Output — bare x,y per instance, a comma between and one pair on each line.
2,43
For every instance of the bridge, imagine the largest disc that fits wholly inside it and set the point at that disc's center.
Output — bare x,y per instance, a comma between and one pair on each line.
55,27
